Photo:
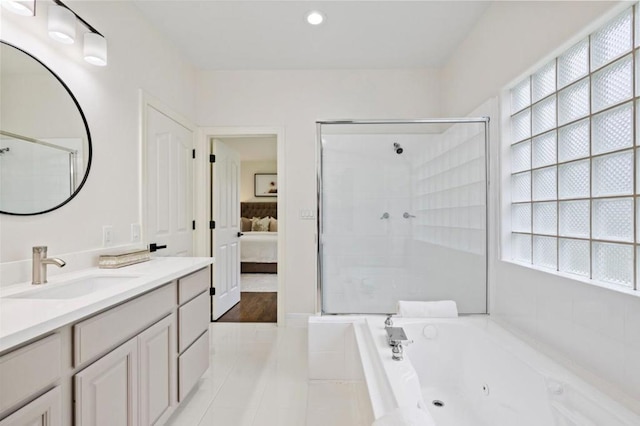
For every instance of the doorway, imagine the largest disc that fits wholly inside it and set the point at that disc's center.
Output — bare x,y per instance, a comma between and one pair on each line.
259,235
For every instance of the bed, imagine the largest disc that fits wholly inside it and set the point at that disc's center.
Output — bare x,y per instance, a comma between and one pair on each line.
259,249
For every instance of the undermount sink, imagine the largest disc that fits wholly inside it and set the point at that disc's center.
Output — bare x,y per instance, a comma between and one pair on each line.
74,288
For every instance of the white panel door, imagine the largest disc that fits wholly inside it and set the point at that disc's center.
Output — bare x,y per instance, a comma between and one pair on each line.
169,185
158,375
225,237
106,392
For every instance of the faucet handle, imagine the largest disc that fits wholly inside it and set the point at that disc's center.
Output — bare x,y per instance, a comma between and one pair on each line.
40,249
388,322
397,352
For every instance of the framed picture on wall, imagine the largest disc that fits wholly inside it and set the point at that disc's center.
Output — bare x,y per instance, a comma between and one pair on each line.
265,185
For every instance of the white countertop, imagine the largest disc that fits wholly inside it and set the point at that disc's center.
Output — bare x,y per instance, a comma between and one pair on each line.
24,319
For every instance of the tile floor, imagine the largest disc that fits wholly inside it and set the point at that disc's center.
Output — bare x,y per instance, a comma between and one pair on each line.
258,377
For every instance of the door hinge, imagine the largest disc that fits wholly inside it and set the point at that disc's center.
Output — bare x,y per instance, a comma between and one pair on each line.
212,291
212,158
193,154
193,225
212,224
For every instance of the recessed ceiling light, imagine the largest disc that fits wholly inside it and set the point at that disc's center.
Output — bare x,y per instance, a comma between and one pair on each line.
315,18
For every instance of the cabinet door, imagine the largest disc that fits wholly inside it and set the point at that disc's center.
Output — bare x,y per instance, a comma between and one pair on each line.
106,392
43,411
158,378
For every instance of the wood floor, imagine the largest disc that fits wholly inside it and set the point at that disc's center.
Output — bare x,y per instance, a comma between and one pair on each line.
253,307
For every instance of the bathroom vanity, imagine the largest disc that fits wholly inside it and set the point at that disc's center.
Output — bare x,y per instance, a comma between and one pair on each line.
125,353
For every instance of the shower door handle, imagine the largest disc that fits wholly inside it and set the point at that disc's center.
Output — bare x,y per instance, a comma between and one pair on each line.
407,215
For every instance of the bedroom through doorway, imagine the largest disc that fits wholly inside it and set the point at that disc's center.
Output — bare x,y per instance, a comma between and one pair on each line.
256,216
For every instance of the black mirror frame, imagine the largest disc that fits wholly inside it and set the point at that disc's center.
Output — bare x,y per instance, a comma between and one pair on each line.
86,127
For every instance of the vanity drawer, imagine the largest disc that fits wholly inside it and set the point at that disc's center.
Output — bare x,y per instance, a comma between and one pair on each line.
102,332
192,285
29,370
192,364
193,319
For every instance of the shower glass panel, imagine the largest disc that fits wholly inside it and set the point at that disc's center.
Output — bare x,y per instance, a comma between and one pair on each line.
403,214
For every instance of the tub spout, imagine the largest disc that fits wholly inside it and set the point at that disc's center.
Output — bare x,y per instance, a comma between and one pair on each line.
389,321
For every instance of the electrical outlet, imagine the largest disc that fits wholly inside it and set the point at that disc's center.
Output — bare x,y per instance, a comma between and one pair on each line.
107,235
135,232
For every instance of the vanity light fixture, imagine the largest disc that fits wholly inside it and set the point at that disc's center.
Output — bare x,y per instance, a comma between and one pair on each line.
315,18
62,24
95,49
20,7
62,27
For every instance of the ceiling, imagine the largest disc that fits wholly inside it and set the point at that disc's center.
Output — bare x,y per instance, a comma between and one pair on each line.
249,35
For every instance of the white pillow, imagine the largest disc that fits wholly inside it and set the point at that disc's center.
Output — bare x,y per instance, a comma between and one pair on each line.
260,224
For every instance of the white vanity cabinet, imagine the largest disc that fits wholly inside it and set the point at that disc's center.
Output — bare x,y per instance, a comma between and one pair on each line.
43,411
129,364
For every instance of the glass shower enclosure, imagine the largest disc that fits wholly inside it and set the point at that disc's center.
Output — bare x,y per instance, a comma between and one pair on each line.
402,214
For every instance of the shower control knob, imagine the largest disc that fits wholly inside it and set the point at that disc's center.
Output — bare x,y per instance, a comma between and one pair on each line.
385,215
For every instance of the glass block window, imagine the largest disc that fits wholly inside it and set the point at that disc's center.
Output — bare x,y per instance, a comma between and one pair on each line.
575,159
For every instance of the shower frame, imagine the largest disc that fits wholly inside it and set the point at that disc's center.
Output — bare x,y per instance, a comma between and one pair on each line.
319,227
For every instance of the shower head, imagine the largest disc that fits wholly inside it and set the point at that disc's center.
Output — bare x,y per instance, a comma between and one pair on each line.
397,148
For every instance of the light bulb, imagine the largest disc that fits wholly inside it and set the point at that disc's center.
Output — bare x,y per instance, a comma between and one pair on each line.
315,18
20,7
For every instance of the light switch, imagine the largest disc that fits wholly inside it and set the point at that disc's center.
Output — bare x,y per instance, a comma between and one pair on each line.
307,214
135,232
107,235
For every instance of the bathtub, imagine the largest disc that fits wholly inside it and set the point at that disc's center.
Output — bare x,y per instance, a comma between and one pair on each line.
469,371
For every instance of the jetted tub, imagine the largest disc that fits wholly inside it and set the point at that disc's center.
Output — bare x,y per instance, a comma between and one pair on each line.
469,371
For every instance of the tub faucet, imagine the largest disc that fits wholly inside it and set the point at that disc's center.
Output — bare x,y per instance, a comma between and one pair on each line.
389,321
397,353
40,262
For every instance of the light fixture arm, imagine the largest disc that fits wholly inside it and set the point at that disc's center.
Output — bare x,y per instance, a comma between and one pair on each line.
78,17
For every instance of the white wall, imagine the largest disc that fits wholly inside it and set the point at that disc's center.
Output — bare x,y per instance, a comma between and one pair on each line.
138,59
594,328
247,171
509,38
295,100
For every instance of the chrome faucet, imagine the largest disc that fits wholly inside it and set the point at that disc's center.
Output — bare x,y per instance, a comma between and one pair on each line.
40,262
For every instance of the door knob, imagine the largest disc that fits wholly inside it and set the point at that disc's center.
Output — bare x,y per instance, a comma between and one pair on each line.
240,234
407,215
154,247
385,215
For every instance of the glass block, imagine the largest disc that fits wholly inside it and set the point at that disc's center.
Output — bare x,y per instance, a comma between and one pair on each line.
574,256
545,252
573,64
613,84
613,263
521,95
573,180
612,130
521,247
544,115
573,141
544,184
521,187
521,217
574,218
612,40
544,150
545,218
521,156
521,126
613,174
613,219
573,102
638,175
544,81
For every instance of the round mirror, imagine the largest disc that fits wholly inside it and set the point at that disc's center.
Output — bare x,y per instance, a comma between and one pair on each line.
45,145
